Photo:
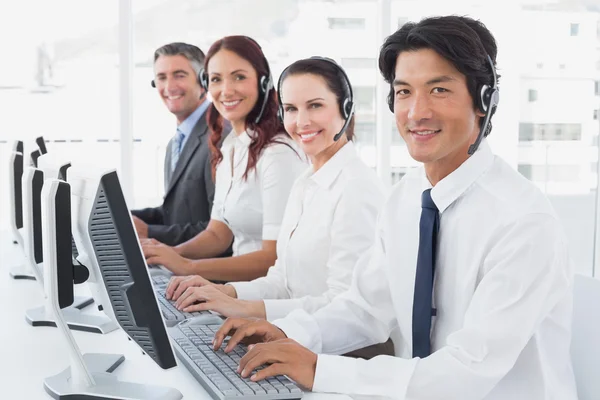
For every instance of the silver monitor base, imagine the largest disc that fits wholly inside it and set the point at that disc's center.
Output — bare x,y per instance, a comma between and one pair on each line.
73,316
21,273
107,386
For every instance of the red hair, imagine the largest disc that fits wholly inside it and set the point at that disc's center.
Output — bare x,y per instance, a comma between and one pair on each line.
269,125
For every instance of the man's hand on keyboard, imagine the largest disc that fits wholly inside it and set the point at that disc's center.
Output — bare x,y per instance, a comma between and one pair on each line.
284,357
159,253
246,331
211,298
179,284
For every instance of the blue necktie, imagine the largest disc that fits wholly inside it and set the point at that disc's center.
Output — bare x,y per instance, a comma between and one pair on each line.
422,302
176,149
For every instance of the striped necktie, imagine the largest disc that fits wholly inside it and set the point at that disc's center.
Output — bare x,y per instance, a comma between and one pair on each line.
176,149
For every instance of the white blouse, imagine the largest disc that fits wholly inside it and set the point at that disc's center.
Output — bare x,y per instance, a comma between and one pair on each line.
253,208
329,222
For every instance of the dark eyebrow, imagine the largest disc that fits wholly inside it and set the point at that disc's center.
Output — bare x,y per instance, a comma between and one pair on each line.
307,102
398,82
439,79
239,70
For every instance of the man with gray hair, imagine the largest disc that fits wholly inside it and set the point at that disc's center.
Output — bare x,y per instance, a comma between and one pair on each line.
189,186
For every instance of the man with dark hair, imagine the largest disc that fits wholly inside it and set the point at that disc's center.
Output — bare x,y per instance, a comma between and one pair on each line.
470,262
189,187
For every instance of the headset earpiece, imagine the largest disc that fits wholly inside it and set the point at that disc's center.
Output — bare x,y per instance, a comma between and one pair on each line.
348,108
152,83
203,79
484,98
489,97
390,99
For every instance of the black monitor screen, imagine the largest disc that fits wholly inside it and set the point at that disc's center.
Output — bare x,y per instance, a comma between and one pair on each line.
125,273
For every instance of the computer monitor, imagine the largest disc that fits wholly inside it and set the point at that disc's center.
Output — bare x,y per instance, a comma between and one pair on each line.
18,146
109,246
33,179
41,143
56,167
34,158
15,188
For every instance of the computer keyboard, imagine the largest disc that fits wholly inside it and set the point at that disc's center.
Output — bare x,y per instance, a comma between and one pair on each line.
172,315
160,280
216,370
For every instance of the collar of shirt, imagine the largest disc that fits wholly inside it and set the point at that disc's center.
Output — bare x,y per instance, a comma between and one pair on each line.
456,183
242,140
187,126
327,174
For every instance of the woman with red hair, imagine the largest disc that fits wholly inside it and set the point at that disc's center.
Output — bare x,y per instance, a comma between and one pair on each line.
254,170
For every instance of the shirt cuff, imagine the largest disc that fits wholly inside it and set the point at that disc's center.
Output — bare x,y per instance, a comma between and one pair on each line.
384,376
335,374
303,328
246,290
279,308
270,231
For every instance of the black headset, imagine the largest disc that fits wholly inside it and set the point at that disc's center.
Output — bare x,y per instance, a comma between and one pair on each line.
486,102
346,104
265,82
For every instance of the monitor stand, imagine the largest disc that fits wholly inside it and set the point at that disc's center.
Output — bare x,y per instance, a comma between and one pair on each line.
106,386
74,317
21,273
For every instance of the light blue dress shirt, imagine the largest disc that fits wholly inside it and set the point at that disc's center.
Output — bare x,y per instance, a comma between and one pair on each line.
190,122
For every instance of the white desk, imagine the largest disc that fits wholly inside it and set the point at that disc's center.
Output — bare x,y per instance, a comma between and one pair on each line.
28,355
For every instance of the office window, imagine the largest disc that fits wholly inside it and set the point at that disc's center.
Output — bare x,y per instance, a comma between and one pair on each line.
574,29
525,131
364,98
359,62
563,173
532,95
396,137
550,173
364,131
397,174
525,170
346,23
549,132
402,21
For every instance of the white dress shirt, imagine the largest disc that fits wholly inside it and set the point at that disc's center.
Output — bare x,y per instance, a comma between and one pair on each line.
502,289
253,208
329,222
